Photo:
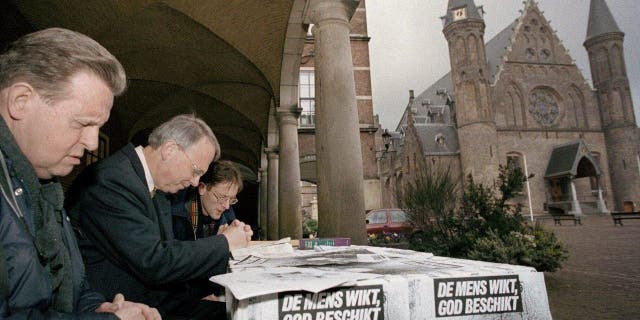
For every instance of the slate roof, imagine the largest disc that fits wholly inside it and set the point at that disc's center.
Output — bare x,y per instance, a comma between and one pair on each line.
429,135
496,49
600,20
562,159
430,94
565,158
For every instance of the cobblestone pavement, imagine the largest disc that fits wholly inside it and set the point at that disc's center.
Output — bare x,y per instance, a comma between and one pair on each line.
601,278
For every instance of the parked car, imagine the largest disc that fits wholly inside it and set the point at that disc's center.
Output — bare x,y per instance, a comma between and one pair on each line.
388,220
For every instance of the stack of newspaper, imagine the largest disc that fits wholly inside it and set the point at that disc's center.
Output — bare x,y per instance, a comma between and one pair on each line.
276,267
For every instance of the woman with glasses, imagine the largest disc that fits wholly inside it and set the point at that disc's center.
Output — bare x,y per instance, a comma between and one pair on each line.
205,210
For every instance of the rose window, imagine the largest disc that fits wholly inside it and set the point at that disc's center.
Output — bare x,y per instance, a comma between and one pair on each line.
543,107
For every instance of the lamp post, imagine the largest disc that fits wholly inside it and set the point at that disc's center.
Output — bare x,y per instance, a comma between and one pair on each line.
526,173
386,139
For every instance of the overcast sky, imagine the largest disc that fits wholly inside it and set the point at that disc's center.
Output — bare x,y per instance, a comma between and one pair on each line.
409,51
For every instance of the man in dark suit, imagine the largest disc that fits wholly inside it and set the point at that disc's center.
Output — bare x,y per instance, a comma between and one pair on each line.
124,225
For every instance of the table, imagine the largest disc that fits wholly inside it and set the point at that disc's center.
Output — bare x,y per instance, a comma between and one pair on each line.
382,283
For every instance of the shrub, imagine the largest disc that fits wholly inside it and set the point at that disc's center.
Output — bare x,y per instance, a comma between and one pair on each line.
536,248
484,227
384,238
549,253
429,198
310,227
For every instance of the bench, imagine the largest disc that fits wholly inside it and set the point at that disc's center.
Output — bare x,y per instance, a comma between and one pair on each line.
619,216
557,219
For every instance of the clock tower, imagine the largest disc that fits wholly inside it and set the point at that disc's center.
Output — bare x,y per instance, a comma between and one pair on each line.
464,30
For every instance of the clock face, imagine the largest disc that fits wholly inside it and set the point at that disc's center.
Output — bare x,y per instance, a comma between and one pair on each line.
459,13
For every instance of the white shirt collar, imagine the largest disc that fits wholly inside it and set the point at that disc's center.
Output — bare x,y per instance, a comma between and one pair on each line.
147,173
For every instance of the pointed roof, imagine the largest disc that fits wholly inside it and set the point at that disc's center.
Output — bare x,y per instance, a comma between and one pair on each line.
495,49
567,160
600,20
472,10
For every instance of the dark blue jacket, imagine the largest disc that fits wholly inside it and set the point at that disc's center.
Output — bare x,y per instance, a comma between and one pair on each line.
207,226
183,230
29,283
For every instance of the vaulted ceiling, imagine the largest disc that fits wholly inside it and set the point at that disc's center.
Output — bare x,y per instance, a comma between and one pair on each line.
219,58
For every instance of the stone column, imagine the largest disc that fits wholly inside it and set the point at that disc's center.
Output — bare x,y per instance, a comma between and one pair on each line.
575,205
264,207
272,194
602,207
341,210
289,204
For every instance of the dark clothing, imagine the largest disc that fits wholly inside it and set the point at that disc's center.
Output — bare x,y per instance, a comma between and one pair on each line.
126,237
44,268
203,309
184,205
187,203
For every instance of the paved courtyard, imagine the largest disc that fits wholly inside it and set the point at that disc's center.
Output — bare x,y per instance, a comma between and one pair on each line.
601,278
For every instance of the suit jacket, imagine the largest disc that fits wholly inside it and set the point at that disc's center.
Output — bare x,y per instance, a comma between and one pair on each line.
126,237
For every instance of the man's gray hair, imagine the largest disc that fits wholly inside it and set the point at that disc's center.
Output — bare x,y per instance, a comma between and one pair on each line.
46,59
185,130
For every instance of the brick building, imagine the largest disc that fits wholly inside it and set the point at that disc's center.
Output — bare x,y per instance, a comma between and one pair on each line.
519,99
359,40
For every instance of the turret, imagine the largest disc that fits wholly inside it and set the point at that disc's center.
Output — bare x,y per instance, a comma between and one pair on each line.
464,30
604,43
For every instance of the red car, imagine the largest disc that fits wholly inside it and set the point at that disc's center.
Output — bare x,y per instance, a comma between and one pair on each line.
388,220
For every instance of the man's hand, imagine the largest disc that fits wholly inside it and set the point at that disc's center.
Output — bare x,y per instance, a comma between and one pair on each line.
222,228
247,228
211,297
237,234
127,310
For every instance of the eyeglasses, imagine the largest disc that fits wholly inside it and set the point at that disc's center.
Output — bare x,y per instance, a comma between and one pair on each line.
221,198
195,171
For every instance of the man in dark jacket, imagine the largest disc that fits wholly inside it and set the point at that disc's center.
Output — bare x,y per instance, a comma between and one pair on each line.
124,220
56,90
200,212
205,211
